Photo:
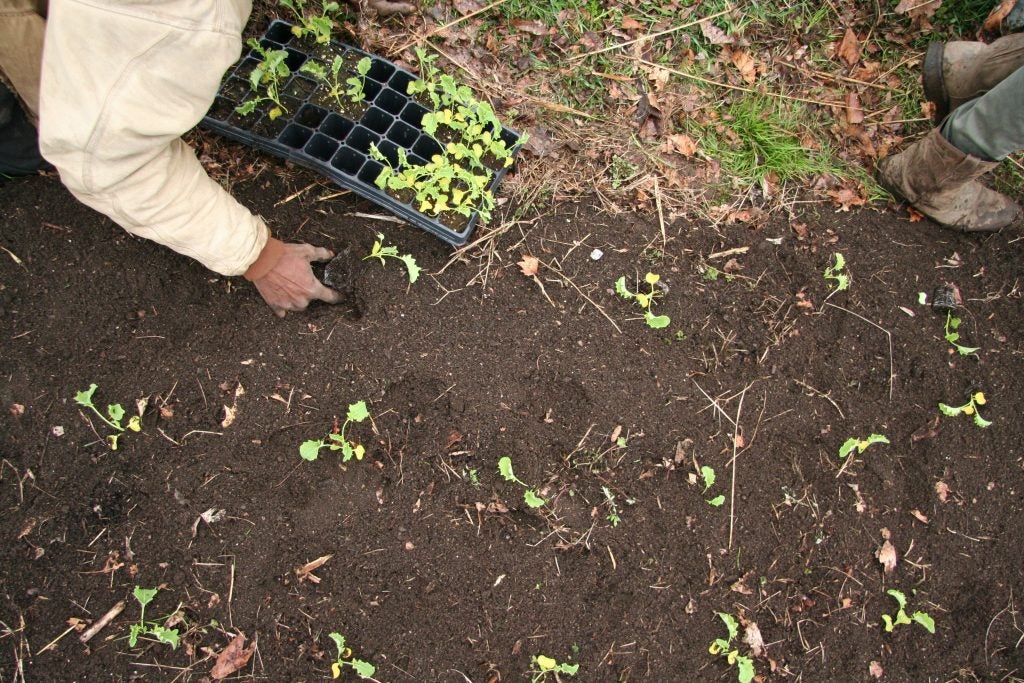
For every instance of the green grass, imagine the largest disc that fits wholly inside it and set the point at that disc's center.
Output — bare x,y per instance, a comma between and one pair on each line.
962,18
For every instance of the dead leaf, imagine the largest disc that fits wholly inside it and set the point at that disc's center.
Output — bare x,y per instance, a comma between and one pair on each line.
752,637
875,669
453,438
539,143
887,557
465,7
919,515
537,28
17,410
306,571
740,586
929,431
854,113
615,433
529,265
745,63
849,48
232,658
229,416
845,197
167,411
715,35
679,143
733,266
995,18
800,229
630,24
918,10
739,441
942,491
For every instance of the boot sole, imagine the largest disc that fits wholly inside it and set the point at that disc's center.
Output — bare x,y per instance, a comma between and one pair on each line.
934,84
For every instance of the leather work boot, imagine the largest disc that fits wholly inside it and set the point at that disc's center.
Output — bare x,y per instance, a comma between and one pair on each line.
961,70
941,182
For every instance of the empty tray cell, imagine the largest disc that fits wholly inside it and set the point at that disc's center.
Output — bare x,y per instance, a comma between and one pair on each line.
370,89
295,136
268,44
321,147
290,105
279,32
295,59
400,81
377,120
381,71
403,134
360,139
510,138
310,116
413,114
390,101
371,169
426,147
300,87
336,126
348,160
390,152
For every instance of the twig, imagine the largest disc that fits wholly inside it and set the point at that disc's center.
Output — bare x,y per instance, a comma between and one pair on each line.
376,217
15,257
101,622
892,371
589,300
732,489
56,640
294,195
661,214
825,396
651,36
715,403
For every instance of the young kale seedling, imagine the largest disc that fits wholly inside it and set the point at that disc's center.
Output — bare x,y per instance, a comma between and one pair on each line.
548,665
644,299
381,252
892,621
708,475
952,336
144,596
723,646
330,78
357,412
530,496
355,91
362,669
269,74
613,509
860,445
318,26
969,408
114,417
835,272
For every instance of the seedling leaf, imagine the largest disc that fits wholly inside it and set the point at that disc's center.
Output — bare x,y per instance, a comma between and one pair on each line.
657,322
84,398
731,624
166,635
144,596
532,499
505,469
620,289
949,411
848,446
357,412
899,597
410,265
717,501
310,450
339,642
116,412
980,421
744,669
925,620
364,669
708,474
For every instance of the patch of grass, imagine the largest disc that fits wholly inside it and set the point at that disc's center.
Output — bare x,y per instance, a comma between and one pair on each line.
1009,176
962,18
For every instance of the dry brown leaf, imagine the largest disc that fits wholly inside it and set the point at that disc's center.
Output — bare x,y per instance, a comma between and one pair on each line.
745,63
680,143
918,10
229,416
232,658
921,517
465,7
630,24
995,18
929,431
844,198
615,433
887,557
740,586
16,409
942,491
715,35
849,48
752,637
800,229
306,571
529,265
854,112
875,669
537,28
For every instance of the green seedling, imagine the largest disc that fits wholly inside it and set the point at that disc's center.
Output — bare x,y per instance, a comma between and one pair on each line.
952,336
723,647
381,252
329,77
891,621
644,299
362,669
268,76
838,279
530,496
969,408
144,596
708,475
860,445
354,91
543,666
613,509
316,26
114,417
337,441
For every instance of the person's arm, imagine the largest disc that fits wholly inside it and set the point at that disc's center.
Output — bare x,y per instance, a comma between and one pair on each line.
121,81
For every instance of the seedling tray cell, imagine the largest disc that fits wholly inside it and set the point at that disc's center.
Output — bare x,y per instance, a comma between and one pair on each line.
316,133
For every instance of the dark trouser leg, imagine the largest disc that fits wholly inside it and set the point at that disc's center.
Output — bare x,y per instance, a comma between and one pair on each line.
19,141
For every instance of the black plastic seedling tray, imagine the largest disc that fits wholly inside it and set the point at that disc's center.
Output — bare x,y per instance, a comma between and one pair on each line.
337,143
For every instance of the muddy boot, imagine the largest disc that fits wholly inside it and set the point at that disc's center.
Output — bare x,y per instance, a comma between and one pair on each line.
961,70
941,182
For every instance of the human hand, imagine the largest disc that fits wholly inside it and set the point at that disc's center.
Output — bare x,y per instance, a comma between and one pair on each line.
290,285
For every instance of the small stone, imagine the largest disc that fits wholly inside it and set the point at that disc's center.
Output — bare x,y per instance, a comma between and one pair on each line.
596,255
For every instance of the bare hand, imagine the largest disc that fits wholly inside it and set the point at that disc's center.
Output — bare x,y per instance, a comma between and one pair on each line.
291,285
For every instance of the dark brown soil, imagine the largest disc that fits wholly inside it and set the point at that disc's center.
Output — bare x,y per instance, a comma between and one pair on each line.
438,571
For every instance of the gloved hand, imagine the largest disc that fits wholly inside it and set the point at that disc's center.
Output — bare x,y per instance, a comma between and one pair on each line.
283,277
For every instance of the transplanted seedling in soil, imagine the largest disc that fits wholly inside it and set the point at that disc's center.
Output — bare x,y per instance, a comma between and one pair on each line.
891,621
331,78
363,669
838,279
723,647
860,445
315,26
708,475
144,596
267,77
114,417
336,440
613,510
969,408
382,252
530,496
644,299
952,336
545,666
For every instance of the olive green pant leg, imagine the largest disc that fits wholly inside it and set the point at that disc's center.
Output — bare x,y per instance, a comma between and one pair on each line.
990,127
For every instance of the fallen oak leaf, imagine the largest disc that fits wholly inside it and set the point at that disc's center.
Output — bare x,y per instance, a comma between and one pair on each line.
715,35
529,265
745,63
232,658
849,48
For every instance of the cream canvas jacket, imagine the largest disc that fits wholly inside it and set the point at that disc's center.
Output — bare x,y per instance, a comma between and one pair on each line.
120,83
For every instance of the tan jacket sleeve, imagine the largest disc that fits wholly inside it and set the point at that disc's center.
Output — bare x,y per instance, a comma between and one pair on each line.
121,81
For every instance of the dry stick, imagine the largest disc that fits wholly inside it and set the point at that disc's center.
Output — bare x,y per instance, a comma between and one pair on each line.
651,36
732,490
661,214
892,372
101,622
438,29
730,86
715,403
55,640
589,300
